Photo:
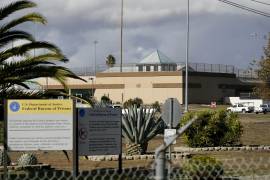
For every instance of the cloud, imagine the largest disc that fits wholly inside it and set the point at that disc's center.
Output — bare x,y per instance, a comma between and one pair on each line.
219,33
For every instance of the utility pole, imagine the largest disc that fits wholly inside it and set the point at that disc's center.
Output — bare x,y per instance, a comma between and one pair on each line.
95,56
187,58
121,48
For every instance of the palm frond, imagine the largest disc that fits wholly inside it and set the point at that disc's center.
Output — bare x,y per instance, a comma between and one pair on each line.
31,17
48,58
25,48
15,6
12,36
29,94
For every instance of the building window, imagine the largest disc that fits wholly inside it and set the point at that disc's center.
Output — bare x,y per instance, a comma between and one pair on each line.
60,97
172,68
140,68
165,67
162,67
155,67
148,68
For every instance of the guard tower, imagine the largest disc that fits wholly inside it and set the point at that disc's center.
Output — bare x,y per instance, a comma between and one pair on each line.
156,61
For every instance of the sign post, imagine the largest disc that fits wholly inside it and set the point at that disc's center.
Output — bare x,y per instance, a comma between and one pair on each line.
171,115
5,150
75,158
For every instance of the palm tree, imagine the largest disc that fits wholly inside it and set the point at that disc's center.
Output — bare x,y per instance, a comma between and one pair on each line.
110,60
18,67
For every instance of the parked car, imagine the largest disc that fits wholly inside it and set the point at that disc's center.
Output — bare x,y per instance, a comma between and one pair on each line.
267,107
117,105
263,108
240,108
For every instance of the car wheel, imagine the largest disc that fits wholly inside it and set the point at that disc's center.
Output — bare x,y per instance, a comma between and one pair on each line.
264,112
257,112
243,111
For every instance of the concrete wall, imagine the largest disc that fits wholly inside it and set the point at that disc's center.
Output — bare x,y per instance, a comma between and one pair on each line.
150,86
157,86
209,87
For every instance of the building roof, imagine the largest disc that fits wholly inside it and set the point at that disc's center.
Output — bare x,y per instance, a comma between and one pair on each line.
156,57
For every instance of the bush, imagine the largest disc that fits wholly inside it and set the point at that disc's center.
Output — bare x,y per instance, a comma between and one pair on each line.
105,100
156,106
202,167
131,102
213,128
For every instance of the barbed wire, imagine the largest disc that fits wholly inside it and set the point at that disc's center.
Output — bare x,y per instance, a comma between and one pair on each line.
246,8
261,2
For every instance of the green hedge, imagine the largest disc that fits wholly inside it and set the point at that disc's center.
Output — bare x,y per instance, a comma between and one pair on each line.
213,128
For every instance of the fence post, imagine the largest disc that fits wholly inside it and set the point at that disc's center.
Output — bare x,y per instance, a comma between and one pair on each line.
160,166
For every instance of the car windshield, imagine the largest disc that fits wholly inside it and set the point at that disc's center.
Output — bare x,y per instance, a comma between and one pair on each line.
263,105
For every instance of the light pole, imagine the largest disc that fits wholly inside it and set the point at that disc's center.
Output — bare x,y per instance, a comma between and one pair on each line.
92,79
121,45
187,58
95,58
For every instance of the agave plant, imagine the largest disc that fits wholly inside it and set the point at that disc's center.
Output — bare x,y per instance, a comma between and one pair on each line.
139,126
27,159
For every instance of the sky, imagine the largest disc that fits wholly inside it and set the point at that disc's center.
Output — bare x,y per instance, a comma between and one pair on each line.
219,33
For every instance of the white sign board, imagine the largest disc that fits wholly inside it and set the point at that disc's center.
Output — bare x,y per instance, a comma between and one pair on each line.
168,133
39,125
99,131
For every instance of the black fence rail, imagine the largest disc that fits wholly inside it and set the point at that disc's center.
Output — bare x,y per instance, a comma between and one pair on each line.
197,67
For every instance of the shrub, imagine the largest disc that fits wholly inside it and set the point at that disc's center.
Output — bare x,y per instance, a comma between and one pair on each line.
213,128
156,106
136,101
106,100
202,167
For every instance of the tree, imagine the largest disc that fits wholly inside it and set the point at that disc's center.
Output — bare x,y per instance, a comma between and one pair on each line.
263,89
136,101
18,65
110,60
105,100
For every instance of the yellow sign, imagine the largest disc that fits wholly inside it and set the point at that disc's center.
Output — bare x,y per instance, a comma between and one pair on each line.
36,106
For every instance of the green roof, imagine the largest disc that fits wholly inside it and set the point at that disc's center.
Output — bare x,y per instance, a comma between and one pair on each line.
156,57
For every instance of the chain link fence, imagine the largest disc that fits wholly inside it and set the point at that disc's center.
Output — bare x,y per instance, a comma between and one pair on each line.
196,67
251,165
